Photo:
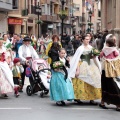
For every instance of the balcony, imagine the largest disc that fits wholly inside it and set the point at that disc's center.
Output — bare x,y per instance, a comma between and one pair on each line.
54,18
24,12
49,18
45,1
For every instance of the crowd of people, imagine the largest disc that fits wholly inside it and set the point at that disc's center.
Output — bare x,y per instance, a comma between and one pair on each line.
83,67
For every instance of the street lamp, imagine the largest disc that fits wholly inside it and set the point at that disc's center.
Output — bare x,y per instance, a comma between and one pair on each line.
90,15
38,12
62,18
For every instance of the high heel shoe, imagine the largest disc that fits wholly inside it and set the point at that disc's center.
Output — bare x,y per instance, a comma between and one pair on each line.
103,106
63,103
93,103
78,101
59,103
118,109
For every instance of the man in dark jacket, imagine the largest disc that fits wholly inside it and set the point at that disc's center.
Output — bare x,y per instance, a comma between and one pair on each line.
104,37
65,40
76,42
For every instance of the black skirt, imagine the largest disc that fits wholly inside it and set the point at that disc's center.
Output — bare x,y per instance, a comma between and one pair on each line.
110,90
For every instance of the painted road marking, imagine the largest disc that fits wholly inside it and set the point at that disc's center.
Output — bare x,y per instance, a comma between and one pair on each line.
84,109
15,108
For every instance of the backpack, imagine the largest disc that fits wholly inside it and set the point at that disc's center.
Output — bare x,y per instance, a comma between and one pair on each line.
28,72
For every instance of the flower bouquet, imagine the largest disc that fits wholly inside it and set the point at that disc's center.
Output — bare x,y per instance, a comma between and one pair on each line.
58,64
95,52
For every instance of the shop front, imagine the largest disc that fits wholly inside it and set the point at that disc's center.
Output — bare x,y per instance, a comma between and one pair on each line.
14,25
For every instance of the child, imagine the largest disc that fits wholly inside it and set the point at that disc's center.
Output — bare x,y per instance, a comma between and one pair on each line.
17,70
45,76
110,65
60,85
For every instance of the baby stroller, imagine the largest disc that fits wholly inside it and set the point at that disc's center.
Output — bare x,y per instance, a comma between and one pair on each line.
69,49
39,80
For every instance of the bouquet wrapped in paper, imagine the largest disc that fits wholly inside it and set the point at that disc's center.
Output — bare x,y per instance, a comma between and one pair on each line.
95,52
58,64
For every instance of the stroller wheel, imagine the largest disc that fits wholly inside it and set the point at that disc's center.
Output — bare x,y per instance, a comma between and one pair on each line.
41,94
46,92
29,90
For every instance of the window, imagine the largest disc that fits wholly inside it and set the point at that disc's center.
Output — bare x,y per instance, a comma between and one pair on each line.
76,7
43,9
15,4
51,8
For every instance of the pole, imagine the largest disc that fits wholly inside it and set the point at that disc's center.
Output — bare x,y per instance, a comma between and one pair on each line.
90,23
38,20
62,22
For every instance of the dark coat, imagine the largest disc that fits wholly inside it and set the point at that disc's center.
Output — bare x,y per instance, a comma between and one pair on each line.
65,40
76,43
53,54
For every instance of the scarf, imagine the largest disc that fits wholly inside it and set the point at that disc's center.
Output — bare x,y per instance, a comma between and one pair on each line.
75,60
109,50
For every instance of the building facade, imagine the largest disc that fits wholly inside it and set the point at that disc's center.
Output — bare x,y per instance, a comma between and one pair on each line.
5,6
77,13
82,24
111,17
23,17
50,17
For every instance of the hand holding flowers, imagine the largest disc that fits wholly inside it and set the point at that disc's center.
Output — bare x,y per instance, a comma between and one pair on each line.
58,64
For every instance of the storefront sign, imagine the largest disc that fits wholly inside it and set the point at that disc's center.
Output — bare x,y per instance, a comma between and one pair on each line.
15,21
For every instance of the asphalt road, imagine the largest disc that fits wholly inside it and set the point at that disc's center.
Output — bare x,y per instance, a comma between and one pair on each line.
36,108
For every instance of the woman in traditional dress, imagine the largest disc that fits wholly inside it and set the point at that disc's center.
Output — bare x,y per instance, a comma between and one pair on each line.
55,38
9,52
85,73
110,71
6,77
61,87
34,41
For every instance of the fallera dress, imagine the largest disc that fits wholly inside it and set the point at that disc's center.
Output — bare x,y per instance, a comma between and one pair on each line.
87,85
60,88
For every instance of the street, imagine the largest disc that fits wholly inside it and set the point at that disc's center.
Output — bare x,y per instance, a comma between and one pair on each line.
33,107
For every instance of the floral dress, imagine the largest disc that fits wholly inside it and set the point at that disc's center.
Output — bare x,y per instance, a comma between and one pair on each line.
87,86
5,86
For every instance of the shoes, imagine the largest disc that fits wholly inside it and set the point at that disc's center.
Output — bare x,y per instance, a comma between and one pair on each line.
16,91
78,101
118,109
103,106
5,95
63,103
93,103
17,95
59,103
20,90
